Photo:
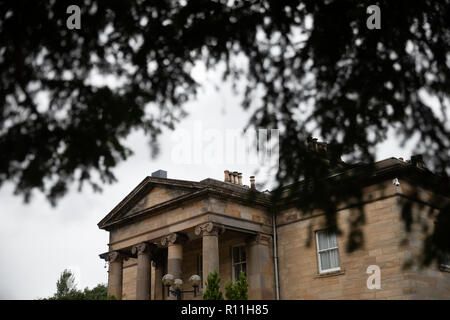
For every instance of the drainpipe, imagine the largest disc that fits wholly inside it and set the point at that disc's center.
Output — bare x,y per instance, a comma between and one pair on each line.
275,254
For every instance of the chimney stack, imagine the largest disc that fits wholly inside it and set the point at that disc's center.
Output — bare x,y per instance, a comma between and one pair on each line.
417,161
233,177
252,182
160,174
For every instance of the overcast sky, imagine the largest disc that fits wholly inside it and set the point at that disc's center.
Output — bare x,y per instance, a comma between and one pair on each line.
37,242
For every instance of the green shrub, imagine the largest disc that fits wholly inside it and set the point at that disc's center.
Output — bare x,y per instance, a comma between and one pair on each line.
237,290
212,291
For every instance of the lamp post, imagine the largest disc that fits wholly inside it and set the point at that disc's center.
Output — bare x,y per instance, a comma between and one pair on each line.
177,285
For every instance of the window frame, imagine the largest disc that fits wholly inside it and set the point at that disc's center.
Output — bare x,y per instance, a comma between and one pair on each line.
318,251
233,263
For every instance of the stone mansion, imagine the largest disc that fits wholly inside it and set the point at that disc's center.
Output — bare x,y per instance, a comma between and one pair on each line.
185,228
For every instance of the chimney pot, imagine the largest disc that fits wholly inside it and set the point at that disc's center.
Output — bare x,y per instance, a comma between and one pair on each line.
236,178
252,182
240,178
226,176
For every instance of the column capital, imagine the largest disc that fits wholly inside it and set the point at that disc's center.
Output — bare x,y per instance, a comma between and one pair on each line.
173,238
112,256
209,229
143,248
260,238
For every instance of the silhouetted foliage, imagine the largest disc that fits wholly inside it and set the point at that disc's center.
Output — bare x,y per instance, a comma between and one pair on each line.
319,70
65,286
66,289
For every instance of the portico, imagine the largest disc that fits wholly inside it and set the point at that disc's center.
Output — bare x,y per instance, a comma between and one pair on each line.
185,228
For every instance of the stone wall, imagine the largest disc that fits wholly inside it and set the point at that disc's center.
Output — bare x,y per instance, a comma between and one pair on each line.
386,244
426,282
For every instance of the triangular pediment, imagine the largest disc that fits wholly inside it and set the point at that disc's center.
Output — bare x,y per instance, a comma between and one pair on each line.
154,194
158,194
149,193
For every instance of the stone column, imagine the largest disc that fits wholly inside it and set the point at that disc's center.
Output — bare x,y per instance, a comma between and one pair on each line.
144,270
158,280
115,272
174,243
210,247
260,272
158,265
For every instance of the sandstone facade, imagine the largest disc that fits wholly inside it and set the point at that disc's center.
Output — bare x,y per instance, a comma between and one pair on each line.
194,227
